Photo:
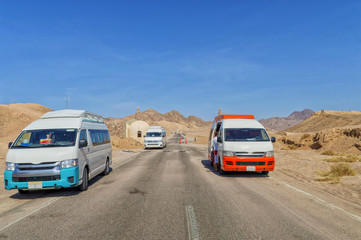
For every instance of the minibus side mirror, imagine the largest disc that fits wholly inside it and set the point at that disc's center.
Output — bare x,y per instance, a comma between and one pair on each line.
10,143
219,139
273,139
83,143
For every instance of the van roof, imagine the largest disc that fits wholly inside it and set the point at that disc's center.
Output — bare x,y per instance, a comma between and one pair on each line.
155,127
70,113
221,117
242,123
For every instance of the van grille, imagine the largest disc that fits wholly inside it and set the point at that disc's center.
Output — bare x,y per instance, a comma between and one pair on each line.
34,179
250,163
41,166
250,155
27,172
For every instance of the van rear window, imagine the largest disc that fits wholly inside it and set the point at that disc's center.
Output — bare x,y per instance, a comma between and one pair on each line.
46,138
245,135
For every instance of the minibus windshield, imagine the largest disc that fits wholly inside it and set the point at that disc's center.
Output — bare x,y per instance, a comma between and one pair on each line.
46,138
245,135
153,134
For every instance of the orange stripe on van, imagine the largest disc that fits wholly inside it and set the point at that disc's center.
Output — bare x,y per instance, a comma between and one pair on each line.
220,117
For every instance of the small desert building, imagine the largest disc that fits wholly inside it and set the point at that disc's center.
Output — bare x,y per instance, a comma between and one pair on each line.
136,129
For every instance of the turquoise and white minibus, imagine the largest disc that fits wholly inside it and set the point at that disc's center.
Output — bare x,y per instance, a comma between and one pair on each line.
62,149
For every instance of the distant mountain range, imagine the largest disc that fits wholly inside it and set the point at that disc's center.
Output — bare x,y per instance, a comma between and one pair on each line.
282,123
151,116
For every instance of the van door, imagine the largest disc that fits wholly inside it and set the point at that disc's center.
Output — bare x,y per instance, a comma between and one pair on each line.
99,151
220,146
94,154
83,152
210,141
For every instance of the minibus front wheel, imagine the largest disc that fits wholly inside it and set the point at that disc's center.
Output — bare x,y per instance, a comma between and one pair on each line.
220,170
23,191
107,168
84,185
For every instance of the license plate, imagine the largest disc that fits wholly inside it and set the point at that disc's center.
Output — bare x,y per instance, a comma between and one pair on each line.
251,168
35,185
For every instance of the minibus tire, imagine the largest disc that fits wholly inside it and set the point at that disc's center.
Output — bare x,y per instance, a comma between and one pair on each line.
84,185
265,172
107,169
23,191
220,170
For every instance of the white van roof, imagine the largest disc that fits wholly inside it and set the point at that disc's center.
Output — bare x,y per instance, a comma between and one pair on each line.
241,123
65,119
70,113
155,127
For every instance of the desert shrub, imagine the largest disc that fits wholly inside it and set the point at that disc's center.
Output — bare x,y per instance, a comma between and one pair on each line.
341,170
336,172
346,158
304,136
290,147
328,153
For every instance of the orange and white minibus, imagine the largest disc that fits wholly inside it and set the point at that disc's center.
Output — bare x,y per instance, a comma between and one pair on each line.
243,145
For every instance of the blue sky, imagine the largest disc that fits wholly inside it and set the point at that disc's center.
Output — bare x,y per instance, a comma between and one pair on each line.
266,58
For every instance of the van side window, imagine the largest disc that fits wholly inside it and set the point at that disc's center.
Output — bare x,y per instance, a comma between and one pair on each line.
99,137
106,136
83,135
220,134
218,126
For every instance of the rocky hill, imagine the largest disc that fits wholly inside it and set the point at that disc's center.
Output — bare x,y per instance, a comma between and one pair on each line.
282,123
323,120
333,131
15,117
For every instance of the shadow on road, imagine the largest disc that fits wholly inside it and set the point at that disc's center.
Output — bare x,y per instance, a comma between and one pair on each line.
207,165
48,193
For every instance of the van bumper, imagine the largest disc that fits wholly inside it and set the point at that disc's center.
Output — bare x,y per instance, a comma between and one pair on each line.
248,164
69,177
153,145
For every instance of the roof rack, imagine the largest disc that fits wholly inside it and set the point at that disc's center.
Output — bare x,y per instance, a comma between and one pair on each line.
69,113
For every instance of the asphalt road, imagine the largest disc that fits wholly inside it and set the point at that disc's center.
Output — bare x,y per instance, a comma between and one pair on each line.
174,194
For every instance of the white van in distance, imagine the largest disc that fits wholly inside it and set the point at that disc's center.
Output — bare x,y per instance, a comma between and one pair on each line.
155,137
243,145
62,149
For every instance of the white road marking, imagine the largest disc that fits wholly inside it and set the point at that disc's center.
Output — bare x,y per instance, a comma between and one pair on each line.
330,205
192,224
35,210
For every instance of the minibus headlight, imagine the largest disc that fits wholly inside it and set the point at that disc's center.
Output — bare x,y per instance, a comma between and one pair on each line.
10,166
69,163
228,154
269,154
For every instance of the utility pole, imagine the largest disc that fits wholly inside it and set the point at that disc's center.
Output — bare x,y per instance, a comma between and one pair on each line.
67,99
